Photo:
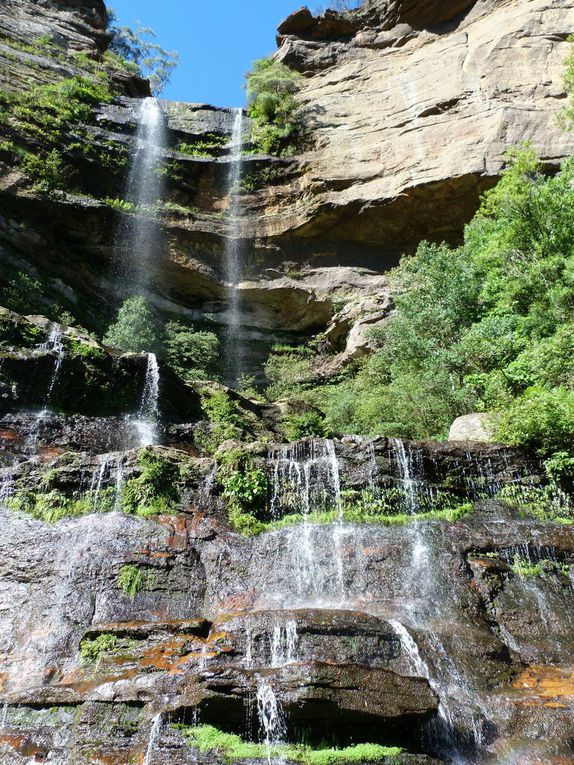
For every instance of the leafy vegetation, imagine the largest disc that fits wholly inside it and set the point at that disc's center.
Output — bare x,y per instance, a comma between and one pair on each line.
135,329
194,354
271,88
308,424
260,178
209,145
50,120
225,421
208,738
525,568
138,48
155,491
288,371
94,650
487,326
132,579
245,486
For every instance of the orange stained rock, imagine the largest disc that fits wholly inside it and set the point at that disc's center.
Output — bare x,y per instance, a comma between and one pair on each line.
547,686
24,746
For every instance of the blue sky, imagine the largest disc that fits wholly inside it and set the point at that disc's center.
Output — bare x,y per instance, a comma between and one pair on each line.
217,40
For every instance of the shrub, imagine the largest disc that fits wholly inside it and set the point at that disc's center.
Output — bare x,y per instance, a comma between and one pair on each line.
155,491
132,579
193,354
289,372
135,329
225,420
245,486
271,88
23,294
46,170
305,425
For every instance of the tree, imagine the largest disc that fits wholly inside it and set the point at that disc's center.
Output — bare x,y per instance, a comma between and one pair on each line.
135,329
138,46
193,354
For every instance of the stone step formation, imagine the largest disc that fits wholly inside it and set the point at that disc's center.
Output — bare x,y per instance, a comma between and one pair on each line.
323,601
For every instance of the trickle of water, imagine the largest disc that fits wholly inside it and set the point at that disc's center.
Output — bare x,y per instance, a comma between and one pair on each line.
233,266
284,644
271,717
405,466
54,344
146,422
4,716
154,735
410,648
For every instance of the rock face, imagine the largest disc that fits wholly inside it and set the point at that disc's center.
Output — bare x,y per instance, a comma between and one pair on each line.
157,584
413,114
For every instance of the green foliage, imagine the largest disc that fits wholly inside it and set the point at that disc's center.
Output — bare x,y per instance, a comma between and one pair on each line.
50,506
150,60
483,327
289,372
155,491
135,328
209,145
271,88
245,486
260,178
224,417
23,295
132,579
92,651
192,353
121,205
207,738
305,425
544,503
51,119
47,171
525,568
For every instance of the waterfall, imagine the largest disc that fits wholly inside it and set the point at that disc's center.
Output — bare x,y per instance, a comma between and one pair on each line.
305,480
54,344
405,466
153,738
271,717
139,234
233,267
284,644
147,418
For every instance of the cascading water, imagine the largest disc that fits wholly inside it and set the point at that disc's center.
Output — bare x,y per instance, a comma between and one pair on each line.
305,481
139,240
54,345
271,717
233,352
284,644
146,422
154,736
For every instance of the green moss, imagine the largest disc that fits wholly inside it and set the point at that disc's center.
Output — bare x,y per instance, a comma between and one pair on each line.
52,506
121,205
130,579
207,738
93,650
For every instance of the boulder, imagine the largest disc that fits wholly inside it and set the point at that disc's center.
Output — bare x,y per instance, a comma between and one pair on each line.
471,427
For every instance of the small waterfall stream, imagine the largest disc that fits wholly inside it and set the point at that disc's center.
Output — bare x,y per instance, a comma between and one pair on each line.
154,736
146,422
139,239
233,352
